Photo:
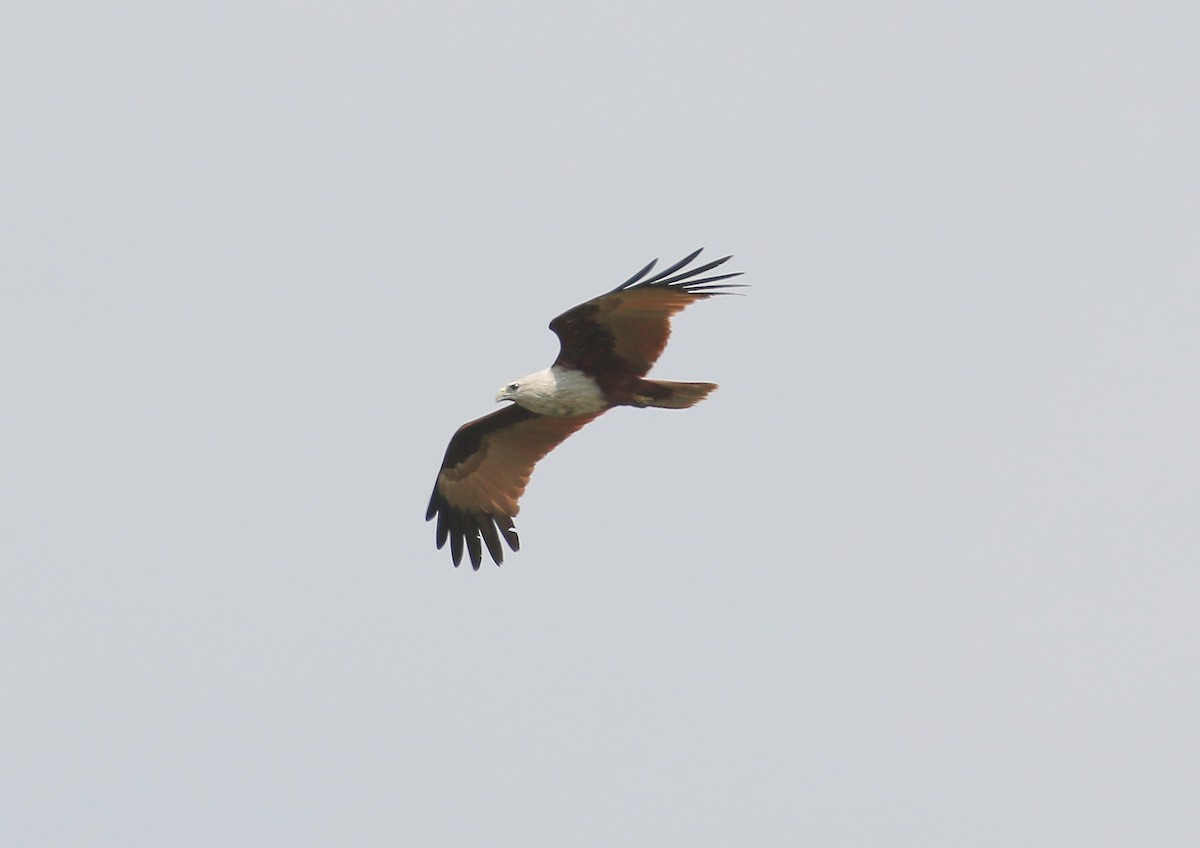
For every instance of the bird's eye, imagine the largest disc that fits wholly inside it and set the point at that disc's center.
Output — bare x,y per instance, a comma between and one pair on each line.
512,387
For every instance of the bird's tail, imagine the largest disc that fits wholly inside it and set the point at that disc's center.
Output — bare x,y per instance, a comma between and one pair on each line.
671,395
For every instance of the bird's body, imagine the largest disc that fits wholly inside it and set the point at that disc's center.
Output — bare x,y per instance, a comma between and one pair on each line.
607,346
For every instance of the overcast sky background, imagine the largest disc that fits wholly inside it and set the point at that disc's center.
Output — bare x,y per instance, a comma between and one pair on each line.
922,572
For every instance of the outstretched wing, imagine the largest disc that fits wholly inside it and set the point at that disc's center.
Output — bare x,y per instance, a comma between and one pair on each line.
484,474
627,329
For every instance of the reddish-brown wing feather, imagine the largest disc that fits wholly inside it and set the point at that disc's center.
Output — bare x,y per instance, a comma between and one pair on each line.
484,474
626,330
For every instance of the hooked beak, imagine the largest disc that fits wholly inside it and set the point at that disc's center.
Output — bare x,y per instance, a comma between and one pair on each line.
502,395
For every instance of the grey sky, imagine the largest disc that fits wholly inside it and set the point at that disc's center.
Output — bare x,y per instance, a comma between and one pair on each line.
922,572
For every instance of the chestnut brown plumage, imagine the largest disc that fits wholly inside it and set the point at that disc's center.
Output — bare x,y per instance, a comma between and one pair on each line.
606,347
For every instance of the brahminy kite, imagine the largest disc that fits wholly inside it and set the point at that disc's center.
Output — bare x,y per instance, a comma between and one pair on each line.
606,347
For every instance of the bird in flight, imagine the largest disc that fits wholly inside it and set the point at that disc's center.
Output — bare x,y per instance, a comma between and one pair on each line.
606,348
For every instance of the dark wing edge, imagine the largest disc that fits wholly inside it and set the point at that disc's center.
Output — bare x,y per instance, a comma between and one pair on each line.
462,527
512,440
664,279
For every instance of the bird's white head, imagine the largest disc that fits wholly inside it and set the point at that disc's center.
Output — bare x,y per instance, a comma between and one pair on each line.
508,392
537,384
555,391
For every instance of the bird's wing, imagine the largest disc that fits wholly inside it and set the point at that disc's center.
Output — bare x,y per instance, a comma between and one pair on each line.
484,474
626,329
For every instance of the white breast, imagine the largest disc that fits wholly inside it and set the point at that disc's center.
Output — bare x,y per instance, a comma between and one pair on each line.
560,391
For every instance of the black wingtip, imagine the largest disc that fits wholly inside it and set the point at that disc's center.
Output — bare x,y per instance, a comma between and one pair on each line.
632,280
471,533
676,277
669,271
